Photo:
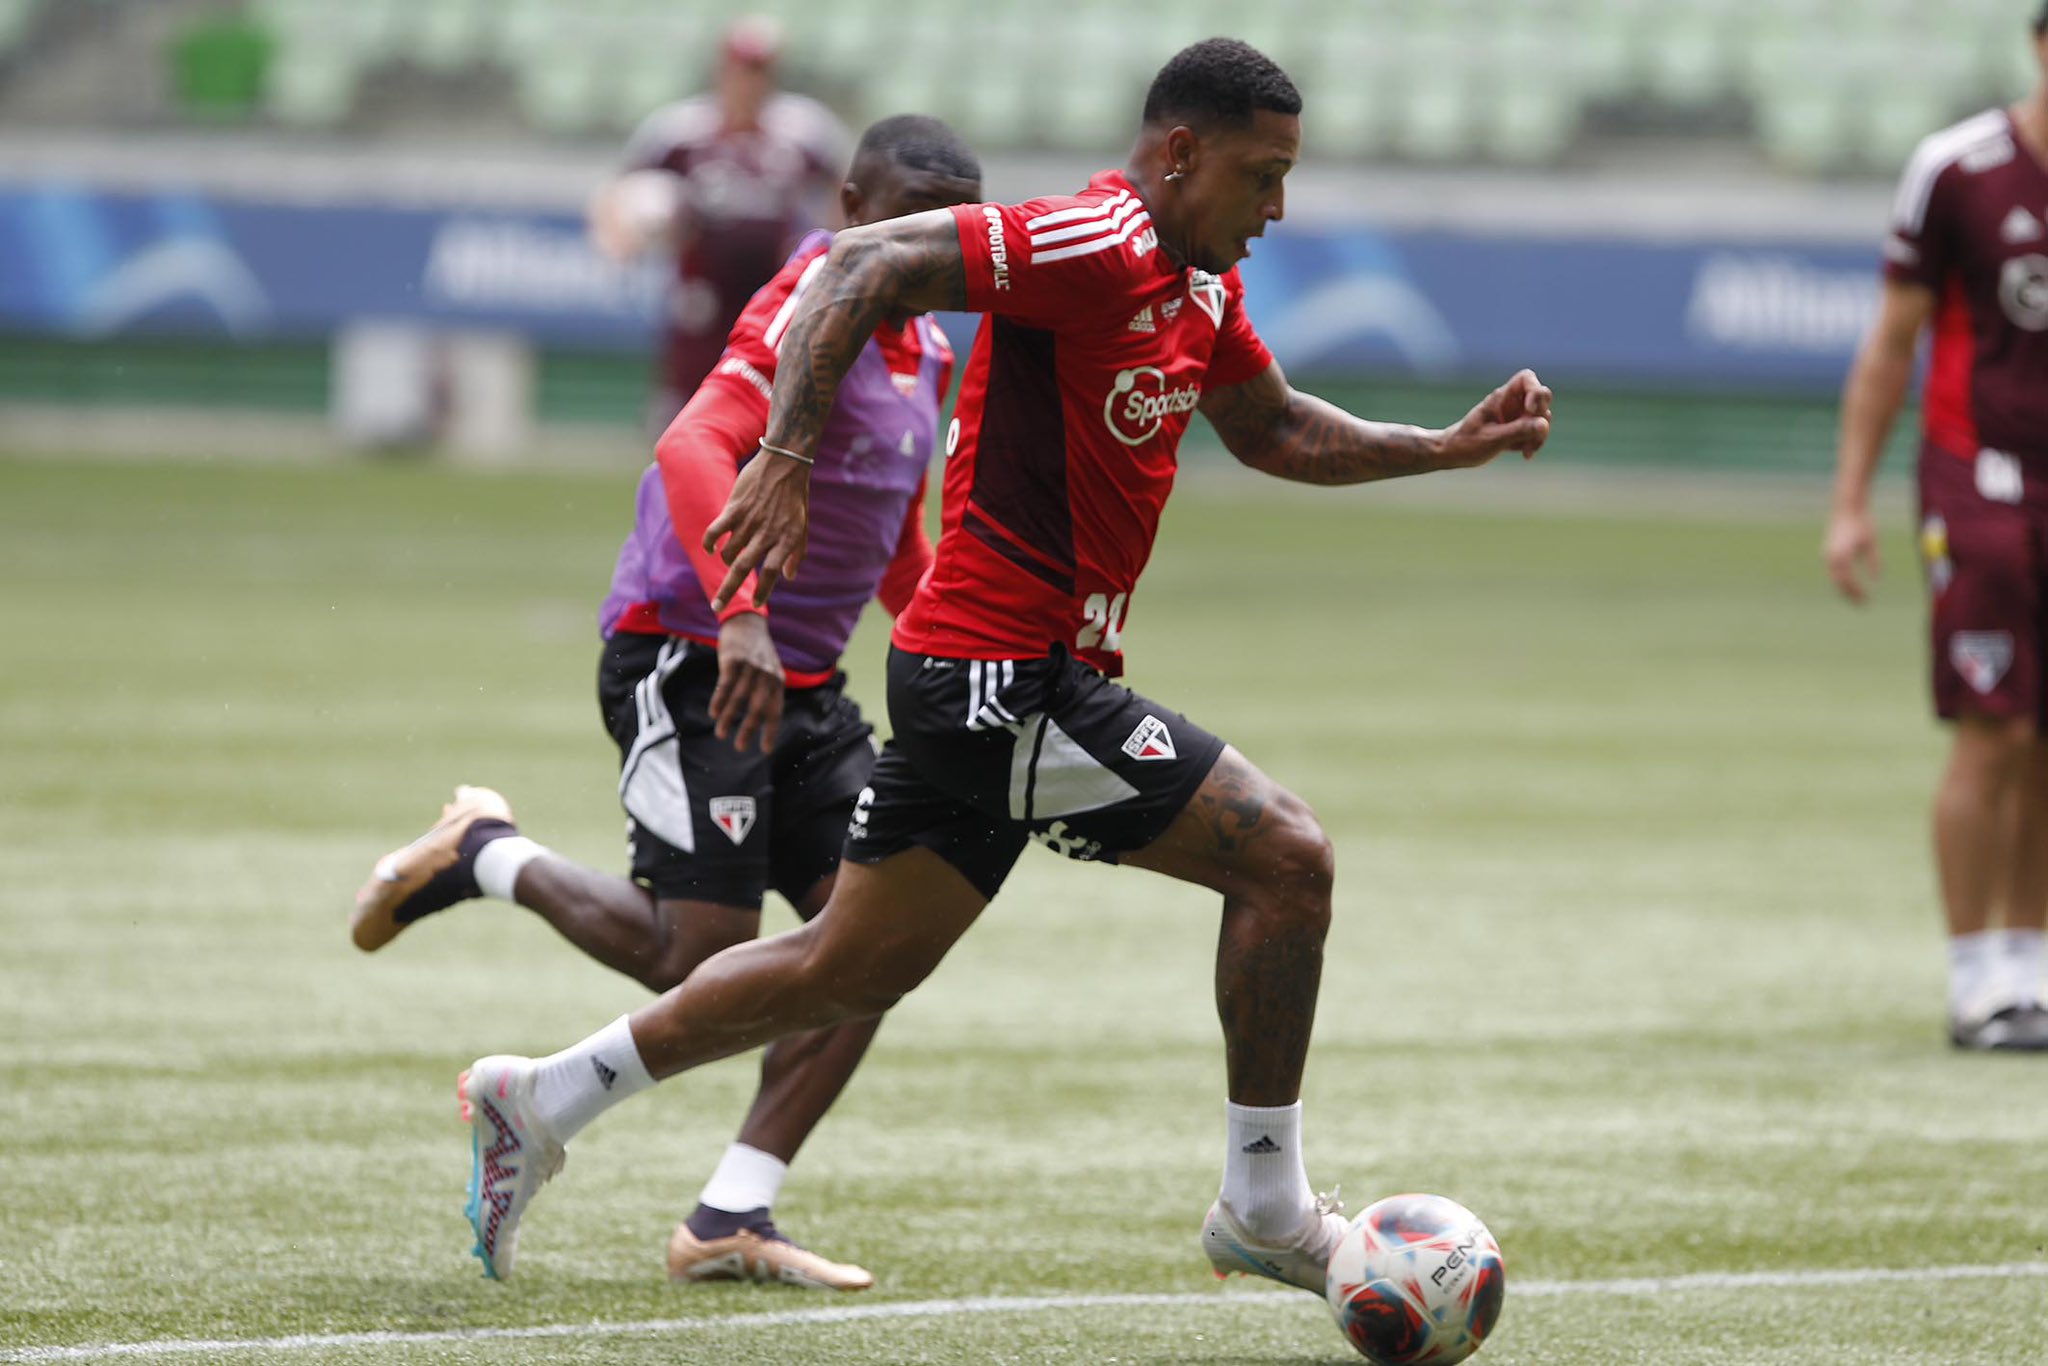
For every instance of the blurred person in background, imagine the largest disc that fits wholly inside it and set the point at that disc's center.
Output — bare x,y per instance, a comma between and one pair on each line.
724,183
740,755
1967,259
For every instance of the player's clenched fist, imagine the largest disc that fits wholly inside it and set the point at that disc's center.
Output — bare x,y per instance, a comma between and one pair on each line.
1514,417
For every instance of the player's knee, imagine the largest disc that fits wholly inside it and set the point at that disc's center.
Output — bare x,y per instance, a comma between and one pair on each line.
1996,747
857,978
1299,859
689,940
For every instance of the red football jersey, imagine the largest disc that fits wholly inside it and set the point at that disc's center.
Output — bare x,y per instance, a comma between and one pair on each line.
1971,223
1086,370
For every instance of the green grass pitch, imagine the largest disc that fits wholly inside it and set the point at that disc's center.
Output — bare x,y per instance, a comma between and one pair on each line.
1635,950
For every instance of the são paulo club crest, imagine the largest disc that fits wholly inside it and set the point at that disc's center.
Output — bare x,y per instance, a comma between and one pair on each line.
1981,657
1150,741
734,816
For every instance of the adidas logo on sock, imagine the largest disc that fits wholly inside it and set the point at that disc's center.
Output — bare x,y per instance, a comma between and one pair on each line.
1259,1146
604,1074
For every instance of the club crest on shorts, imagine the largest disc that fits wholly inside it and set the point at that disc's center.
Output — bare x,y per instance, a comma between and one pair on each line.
733,815
1981,657
1151,740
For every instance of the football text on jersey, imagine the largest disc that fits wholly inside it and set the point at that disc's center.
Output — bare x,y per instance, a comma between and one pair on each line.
998,249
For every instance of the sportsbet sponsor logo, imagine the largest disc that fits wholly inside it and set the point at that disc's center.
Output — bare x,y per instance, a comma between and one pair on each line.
998,249
1140,403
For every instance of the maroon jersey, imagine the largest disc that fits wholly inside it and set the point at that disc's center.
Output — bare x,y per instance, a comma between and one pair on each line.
747,196
1971,223
1086,370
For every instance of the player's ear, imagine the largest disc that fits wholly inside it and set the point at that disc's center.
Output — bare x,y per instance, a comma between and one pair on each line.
1181,148
851,202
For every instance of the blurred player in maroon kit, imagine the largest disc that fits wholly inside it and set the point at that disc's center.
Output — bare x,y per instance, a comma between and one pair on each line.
726,182
1967,259
1113,316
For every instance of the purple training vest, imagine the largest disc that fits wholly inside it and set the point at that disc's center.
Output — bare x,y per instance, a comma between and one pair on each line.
871,457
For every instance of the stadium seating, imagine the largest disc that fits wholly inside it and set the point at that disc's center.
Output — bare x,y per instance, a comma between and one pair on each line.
1506,81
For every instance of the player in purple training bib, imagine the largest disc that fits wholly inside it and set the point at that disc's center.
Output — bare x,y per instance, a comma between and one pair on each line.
1967,260
740,756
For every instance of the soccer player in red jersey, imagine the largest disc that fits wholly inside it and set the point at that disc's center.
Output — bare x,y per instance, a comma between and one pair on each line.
723,809
1113,316
1967,259
725,183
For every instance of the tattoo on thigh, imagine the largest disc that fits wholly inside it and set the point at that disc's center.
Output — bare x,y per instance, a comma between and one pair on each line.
1234,804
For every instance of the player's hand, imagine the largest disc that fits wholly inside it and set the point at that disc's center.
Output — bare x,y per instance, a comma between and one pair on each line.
764,526
1514,417
1850,549
748,699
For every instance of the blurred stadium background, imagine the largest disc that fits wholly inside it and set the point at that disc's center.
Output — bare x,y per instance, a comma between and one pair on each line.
288,225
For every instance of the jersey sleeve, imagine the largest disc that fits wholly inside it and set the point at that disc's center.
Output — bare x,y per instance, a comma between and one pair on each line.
1919,248
1239,354
699,457
1048,259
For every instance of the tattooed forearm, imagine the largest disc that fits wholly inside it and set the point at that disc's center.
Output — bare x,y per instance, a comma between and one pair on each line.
907,266
1290,435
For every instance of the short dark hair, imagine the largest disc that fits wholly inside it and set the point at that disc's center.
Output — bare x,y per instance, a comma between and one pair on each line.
918,142
2041,21
1219,81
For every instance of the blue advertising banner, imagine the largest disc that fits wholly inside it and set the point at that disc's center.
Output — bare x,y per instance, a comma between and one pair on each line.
84,263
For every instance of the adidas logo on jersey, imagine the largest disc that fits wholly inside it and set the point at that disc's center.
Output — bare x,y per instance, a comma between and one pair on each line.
1143,322
2020,226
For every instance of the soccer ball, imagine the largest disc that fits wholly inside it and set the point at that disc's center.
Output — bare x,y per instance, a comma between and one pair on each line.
1416,1280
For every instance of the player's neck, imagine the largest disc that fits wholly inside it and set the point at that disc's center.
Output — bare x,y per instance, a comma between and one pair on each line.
1152,192
2030,118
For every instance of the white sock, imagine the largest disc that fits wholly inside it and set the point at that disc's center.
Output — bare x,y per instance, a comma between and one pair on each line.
2022,955
498,864
1264,1181
1973,961
584,1080
746,1179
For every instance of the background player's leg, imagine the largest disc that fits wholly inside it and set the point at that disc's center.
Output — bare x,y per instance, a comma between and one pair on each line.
624,926
2026,910
1977,816
733,1225
884,929
803,1074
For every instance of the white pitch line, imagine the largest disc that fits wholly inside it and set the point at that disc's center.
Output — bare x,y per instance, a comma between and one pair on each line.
995,1304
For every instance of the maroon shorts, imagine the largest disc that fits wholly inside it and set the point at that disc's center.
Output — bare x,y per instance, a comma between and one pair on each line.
1984,547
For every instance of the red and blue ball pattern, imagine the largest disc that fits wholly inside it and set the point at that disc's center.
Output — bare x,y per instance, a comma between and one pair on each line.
1416,1280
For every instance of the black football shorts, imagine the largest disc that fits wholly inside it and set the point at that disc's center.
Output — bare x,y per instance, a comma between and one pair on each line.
988,754
706,822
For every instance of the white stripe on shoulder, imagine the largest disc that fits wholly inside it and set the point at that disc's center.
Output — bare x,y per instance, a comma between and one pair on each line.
1935,154
1087,229
1100,209
1095,244
772,338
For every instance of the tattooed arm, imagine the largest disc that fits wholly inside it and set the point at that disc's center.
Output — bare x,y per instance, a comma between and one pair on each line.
885,270
1275,428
